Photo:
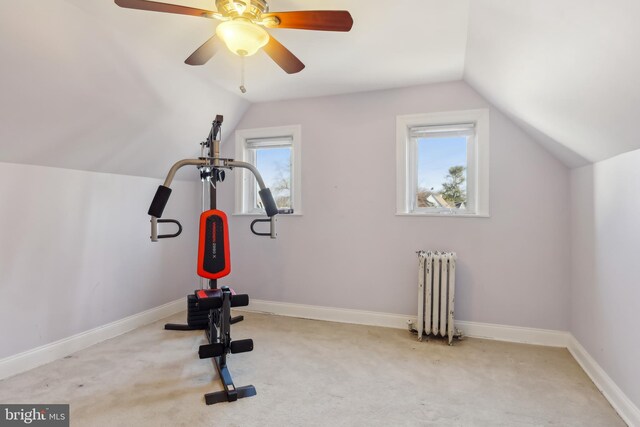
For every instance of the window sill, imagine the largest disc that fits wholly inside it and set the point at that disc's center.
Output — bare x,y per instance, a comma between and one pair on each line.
443,215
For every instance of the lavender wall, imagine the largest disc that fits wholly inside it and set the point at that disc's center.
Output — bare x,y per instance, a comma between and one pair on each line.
605,288
75,252
350,250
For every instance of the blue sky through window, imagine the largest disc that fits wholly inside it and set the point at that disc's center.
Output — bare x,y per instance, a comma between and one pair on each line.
436,156
273,163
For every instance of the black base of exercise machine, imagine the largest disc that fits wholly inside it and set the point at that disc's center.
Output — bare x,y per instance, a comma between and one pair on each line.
217,304
217,332
220,343
210,309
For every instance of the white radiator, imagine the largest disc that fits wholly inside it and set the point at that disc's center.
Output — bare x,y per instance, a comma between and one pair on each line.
436,294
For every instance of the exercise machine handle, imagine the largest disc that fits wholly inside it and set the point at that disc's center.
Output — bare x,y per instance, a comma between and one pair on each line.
255,221
154,229
272,222
162,197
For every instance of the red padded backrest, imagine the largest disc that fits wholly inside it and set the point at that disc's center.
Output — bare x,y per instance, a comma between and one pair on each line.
214,260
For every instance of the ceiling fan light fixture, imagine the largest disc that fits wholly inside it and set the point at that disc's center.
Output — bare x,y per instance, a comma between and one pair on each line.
242,37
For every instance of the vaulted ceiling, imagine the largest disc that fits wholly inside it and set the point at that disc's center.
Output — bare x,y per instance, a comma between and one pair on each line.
566,70
87,85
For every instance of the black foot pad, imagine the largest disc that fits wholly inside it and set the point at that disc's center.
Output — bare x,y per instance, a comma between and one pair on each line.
210,350
241,346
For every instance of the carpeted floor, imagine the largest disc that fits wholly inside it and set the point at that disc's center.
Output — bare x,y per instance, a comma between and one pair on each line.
312,373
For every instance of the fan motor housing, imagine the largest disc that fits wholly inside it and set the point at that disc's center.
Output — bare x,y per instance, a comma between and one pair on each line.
252,8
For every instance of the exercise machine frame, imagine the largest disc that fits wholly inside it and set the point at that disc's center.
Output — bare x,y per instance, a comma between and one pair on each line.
216,301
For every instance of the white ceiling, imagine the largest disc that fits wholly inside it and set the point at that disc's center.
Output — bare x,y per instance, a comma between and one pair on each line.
414,42
88,85
402,43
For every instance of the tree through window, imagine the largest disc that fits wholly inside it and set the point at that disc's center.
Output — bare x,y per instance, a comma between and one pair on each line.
274,164
441,170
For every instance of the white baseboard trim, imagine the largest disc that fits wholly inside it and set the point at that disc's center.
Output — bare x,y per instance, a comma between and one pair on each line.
627,410
330,314
519,334
33,358
547,337
360,317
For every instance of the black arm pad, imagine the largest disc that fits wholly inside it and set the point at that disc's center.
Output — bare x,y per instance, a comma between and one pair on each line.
159,201
268,202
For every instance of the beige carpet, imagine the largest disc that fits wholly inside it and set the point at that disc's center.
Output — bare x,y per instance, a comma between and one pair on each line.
311,373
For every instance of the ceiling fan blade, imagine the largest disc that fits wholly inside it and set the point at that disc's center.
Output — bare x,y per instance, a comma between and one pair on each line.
321,20
204,52
283,57
165,7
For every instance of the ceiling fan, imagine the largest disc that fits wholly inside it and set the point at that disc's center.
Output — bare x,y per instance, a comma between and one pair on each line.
243,27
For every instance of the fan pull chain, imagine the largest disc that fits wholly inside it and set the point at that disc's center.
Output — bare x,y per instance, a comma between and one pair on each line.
242,88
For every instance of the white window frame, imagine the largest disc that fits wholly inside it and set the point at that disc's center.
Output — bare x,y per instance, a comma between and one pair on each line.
245,182
477,162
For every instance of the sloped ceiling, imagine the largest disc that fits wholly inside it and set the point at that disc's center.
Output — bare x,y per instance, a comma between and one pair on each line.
567,71
85,84
84,87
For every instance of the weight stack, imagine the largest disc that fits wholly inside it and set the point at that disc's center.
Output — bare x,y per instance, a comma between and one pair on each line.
196,318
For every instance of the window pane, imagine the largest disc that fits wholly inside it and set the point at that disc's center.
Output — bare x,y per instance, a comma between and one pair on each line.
274,164
442,172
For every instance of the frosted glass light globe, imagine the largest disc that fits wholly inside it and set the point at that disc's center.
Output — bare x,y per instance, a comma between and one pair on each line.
242,37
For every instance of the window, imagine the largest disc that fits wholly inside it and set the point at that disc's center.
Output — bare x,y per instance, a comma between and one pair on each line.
276,154
442,163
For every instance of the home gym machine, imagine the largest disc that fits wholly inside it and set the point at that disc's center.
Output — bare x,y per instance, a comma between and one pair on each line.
209,308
